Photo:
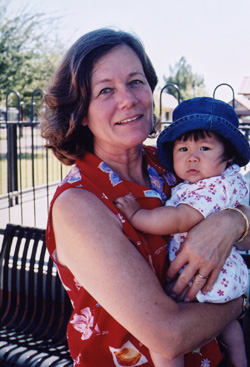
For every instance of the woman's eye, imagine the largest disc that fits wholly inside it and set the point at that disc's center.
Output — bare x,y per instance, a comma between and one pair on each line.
136,81
105,91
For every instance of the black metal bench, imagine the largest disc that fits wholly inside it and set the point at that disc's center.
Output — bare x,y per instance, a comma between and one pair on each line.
34,307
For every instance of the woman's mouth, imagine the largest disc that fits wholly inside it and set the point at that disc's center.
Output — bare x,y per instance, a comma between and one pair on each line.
128,120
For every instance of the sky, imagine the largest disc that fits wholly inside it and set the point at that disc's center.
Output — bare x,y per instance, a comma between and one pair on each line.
213,36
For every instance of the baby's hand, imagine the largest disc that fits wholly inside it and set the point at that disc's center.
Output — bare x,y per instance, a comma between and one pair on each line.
128,206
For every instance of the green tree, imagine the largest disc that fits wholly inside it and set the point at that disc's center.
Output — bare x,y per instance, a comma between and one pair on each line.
190,84
28,54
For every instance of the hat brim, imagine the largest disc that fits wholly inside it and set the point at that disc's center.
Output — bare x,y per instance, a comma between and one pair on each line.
201,121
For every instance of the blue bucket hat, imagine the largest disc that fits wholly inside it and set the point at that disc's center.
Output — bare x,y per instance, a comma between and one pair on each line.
203,113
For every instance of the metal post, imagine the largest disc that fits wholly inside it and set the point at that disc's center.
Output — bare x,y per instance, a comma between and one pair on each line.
12,152
33,104
228,85
175,86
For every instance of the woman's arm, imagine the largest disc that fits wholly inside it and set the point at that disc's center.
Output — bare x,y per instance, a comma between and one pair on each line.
206,248
245,244
91,243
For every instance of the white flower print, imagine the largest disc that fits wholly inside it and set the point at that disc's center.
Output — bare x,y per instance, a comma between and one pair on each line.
77,284
84,323
104,196
122,219
77,360
162,248
205,363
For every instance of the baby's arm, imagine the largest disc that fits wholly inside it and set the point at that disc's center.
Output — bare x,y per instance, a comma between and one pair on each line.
160,221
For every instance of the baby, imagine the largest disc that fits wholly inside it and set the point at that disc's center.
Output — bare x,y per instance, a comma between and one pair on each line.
205,148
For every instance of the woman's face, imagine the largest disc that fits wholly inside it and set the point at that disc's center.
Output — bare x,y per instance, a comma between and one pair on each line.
120,113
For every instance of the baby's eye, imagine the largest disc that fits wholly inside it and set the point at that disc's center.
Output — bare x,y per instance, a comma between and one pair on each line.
205,148
183,149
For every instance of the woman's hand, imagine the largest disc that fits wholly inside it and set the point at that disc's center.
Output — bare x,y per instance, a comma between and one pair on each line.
204,252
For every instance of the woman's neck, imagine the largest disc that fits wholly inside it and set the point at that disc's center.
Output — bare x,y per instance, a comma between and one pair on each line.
127,164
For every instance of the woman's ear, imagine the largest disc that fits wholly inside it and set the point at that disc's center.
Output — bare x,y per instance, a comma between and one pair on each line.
85,121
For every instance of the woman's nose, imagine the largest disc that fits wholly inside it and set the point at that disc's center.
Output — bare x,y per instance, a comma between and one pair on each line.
126,98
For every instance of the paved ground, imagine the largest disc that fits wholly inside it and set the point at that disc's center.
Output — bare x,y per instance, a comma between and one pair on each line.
26,213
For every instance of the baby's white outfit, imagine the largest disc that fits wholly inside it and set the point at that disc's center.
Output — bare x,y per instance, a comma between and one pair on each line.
209,196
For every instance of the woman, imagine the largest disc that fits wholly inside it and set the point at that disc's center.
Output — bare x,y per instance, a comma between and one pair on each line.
100,110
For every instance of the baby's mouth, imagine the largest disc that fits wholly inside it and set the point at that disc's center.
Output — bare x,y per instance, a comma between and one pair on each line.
193,170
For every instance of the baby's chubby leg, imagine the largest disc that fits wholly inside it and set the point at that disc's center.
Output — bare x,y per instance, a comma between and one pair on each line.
160,361
232,337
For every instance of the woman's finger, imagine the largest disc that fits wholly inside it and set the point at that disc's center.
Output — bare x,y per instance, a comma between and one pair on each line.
197,285
183,281
176,265
211,280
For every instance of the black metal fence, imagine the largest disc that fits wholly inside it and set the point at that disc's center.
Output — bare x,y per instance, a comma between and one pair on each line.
29,173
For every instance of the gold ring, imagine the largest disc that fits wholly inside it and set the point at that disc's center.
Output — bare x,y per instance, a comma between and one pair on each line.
202,276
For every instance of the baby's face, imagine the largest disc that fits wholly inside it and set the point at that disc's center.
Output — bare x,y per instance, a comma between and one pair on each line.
196,160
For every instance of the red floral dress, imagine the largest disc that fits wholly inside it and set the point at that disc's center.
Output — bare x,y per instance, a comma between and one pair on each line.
94,337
